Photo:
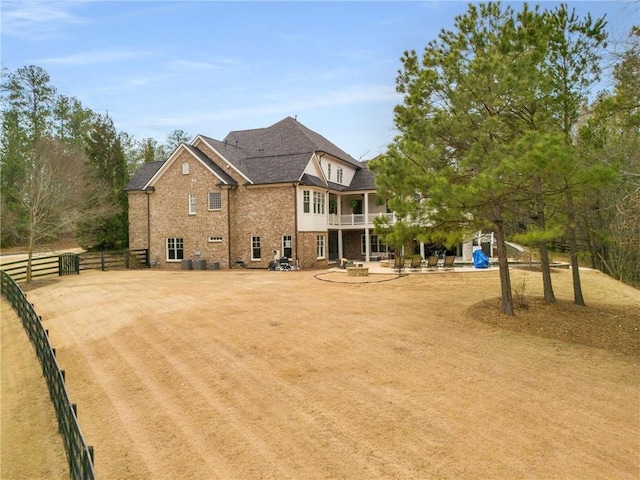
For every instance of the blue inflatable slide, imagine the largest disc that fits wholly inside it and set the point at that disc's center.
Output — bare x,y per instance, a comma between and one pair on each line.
480,260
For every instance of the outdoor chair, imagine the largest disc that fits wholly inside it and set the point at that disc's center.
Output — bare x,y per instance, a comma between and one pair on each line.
398,262
448,262
416,262
432,263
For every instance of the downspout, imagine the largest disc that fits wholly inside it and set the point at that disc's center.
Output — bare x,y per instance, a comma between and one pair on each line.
295,216
229,226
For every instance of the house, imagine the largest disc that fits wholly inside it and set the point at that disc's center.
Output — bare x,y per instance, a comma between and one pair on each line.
257,195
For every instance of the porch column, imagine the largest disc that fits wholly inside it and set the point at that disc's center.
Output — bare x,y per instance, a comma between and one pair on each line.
340,252
422,250
367,240
367,245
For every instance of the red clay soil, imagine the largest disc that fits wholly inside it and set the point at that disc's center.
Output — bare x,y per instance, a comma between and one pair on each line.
279,375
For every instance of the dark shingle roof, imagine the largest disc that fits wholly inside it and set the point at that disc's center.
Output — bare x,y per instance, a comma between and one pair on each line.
364,179
143,175
284,168
276,154
224,176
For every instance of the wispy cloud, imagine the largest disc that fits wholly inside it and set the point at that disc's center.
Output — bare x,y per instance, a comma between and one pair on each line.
111,55
198,66
283,104
38,19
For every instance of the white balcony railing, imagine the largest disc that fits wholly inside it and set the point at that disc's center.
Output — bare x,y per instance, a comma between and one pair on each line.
357,219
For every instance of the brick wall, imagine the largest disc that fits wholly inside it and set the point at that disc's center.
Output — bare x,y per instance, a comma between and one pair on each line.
170,214
307,250
267,212
137,220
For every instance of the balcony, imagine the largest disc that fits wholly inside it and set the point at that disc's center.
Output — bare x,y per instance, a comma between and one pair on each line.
358,220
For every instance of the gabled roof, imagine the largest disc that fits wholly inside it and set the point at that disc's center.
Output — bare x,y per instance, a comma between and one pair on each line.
276,154
148,171
286,137
217,171
143,175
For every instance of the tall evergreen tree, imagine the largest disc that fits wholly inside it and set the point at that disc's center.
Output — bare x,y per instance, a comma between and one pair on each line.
107,159
27,103
479,107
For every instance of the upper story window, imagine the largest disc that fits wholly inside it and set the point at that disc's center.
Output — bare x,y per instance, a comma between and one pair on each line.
329,171
318,203
306,200
339,175
192,204
215,201
185,168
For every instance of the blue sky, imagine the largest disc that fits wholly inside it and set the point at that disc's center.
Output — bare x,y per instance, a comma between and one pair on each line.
211,67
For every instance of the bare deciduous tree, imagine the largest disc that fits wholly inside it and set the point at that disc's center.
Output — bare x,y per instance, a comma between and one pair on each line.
58,192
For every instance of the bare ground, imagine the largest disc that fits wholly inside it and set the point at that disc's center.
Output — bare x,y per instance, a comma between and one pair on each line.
255,374
29,442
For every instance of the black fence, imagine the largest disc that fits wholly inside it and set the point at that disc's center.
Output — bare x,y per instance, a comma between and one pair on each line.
73,263
79,454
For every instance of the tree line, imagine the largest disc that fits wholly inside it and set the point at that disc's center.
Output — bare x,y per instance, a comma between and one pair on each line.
500,130
64,166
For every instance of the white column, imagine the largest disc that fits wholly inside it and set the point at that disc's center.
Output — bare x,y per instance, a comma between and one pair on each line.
367,239
340,252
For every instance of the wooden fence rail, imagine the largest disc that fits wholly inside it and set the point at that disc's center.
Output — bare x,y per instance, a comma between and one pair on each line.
79,454
73,263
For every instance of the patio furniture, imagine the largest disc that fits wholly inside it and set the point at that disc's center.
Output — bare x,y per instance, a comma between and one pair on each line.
416,262
448,262
432,263
398,262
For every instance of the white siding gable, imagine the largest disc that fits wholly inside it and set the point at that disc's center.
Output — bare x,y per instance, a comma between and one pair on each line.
313,169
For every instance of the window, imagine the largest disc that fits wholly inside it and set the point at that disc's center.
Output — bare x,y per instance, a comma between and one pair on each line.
329,171
192,204
376,243
214,239
305,201
215,201
255,248
175,249
339,175
320,247
185,168
287,246
318,203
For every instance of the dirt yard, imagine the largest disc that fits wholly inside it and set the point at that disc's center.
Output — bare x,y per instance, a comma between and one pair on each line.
281,375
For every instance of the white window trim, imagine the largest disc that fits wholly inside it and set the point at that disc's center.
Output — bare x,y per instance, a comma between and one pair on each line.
322,256
254,259
192,204
209,202
166,243
185,168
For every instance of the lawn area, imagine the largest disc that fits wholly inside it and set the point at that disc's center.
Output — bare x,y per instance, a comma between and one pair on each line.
255,374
